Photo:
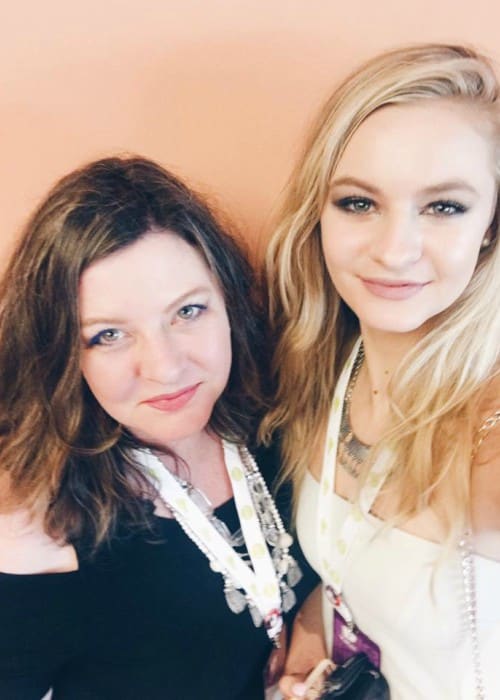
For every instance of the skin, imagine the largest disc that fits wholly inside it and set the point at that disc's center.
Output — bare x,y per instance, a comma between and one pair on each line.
397,251
156,349
410,207
154,324
405,233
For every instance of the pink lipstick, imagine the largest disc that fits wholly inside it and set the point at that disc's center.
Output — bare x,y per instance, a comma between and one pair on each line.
393,289
173,401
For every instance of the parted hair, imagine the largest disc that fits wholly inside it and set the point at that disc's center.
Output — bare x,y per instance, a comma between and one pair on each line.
58,447
435,392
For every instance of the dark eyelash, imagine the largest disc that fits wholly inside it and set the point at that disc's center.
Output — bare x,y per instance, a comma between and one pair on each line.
346,202
460,208
95,340
199,307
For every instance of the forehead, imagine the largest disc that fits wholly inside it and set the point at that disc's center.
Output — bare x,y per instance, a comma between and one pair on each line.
158,264
154,249
431,139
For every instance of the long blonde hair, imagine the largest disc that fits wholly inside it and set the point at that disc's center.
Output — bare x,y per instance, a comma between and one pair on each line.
434,394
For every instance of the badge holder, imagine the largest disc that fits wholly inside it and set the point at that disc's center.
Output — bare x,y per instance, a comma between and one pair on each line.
348,639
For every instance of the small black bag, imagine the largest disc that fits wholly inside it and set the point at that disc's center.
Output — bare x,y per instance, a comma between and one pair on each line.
356,679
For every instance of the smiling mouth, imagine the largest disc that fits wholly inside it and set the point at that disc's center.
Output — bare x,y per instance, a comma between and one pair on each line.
393,289
173,401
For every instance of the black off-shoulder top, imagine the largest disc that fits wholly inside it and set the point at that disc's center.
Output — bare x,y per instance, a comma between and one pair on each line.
144,619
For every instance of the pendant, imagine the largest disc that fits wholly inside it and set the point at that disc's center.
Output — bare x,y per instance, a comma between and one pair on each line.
235,599
198,498
288,597
277,556
235,540
282,565
271,535
293,574
285,540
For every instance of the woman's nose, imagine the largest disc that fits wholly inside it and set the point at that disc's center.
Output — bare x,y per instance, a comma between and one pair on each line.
398,242
161,359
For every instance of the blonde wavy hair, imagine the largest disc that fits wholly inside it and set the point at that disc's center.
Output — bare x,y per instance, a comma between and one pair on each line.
435,393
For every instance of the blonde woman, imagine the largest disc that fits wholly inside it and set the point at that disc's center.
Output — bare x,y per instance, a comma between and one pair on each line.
384,284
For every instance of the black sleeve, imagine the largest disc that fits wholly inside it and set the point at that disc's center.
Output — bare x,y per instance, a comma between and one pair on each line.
22,688
40,627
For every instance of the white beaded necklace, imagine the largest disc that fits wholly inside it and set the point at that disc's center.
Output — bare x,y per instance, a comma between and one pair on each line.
470,604
265,587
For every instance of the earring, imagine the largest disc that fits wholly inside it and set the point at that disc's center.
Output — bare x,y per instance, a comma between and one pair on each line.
485,242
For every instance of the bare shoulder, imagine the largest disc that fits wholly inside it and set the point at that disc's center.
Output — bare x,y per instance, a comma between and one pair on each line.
25,548
490,397
486,471
488,438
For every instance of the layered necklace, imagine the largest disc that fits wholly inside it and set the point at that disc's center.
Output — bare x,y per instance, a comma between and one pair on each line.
351,451
264,583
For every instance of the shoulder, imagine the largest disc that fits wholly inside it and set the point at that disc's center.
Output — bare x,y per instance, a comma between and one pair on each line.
486,473
489,400
488,431
25,548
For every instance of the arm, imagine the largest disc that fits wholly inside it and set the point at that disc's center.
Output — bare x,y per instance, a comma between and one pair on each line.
307,645
39,612
25,688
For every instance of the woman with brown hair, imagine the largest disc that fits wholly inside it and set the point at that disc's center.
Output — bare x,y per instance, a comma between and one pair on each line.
134,522
385,277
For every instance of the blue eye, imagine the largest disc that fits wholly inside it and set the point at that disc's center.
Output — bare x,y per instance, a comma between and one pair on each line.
191,311
445,207
109,336
355,205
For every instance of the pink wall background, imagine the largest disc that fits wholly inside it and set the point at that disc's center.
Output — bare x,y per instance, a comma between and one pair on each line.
220,91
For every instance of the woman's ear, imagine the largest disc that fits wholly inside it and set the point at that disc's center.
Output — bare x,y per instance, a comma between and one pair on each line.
486,242
491,232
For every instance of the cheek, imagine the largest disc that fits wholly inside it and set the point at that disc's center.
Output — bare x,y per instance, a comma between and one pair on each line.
214,352
106,380
221,353
457,262
340,245
338,260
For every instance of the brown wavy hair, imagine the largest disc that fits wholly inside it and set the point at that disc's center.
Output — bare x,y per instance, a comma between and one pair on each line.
58,447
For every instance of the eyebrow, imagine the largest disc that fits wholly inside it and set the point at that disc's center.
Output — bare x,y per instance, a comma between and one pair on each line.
431,190
116,320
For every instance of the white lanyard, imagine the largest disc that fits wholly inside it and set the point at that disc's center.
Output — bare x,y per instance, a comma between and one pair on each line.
261,584
334,557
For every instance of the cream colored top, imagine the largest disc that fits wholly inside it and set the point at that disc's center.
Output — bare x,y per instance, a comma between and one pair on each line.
410,602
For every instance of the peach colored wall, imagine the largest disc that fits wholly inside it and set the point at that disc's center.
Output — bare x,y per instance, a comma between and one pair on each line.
218,90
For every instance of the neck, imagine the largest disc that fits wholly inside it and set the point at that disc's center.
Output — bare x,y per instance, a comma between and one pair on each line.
383,354
197,454
202,465
201,445
370,403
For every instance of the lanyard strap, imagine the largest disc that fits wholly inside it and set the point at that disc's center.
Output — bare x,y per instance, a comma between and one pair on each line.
335,548
260,583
